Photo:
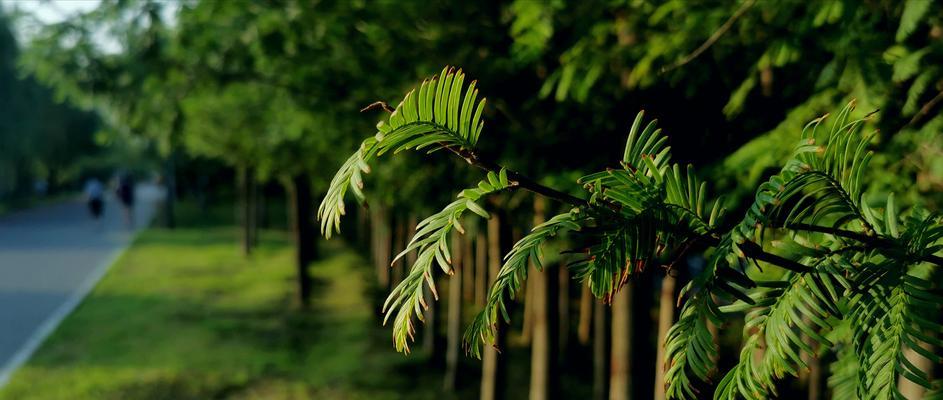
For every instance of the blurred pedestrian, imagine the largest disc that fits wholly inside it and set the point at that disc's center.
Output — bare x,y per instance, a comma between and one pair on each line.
125,194
94,197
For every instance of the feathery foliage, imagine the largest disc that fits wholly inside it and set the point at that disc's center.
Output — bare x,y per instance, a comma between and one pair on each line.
442,112
431,241
511,277
843,276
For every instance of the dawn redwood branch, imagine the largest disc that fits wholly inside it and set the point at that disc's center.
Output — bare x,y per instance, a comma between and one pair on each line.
713,38
472,158
755,251
861,237
874,241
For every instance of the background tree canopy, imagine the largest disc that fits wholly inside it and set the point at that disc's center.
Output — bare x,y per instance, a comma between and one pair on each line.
256,100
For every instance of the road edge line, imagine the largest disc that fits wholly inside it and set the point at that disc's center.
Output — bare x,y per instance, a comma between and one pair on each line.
52,322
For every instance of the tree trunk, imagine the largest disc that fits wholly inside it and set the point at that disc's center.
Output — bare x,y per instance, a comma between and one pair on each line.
563,310
620,376
380,234
543,285
245,213
666,317
399,243
170,181
527,325
253,211
481,268
492,366
454,326
363,229
910,390
601,350
410,231
468,269
586,315
303,234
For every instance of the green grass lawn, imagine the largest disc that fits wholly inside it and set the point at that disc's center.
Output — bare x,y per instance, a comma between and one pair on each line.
183,316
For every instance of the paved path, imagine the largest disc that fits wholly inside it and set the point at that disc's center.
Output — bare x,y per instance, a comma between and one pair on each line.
50,257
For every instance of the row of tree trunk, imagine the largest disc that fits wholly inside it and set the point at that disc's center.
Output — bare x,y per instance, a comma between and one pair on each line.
626,337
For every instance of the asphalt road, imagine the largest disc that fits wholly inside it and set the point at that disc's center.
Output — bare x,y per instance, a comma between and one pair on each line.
50,257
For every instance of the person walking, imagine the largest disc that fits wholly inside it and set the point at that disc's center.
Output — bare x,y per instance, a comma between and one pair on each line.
125,194
94,197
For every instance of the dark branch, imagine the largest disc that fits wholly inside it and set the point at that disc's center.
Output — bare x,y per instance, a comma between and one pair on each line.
524,182
378,104
872,241
713,38
755,251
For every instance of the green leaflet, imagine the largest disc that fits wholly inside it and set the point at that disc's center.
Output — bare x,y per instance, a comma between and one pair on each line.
438,114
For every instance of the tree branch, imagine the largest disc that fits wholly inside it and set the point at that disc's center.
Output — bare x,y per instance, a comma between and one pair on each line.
713,38
873,241
472,158
755,251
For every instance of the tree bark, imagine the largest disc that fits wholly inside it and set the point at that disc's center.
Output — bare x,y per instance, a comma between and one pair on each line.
454,326
492,366
601,350
303,234
910,390
481,268
563,310
543,351
666,317
399,243
170,198
248,215
253,211
468,269
527,325
586,315
620,375
379,233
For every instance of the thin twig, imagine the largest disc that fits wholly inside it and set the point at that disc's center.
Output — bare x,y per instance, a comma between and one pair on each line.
378,104
925,110
713,38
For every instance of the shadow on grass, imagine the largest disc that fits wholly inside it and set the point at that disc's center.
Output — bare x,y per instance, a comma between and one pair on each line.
183,316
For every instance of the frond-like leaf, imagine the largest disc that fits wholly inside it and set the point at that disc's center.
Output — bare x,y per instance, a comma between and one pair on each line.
431,244
511,278
441,113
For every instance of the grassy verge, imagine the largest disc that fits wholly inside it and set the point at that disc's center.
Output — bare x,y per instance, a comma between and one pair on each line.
183,316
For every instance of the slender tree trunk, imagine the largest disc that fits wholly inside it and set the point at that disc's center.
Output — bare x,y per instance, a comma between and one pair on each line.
527,325
303,234
245,213
601,351
481,268
586,315
543,285
430,328
253,211
399,243
620,375
262,209
410,231
666,317
454,326
643,333
170,180
910,390
363,228
468,269
380,234
563,310
492,371
816,380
